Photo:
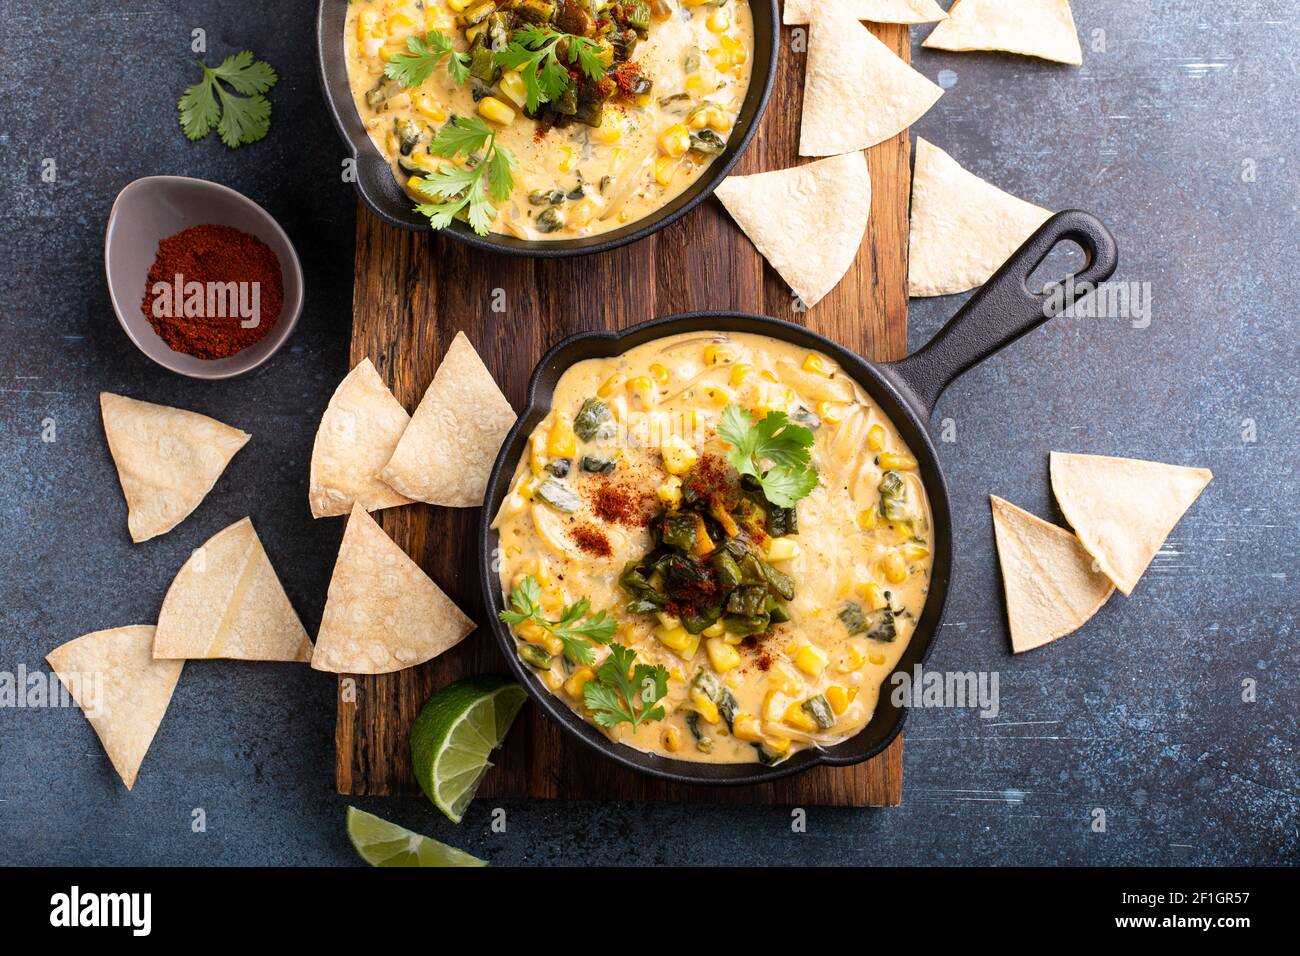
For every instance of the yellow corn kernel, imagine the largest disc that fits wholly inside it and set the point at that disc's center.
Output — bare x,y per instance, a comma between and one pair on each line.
459,5
700,83
746,728
530,631
429,107
679,640
668,621
695,3
609,386
719,354
816,364
675,140
550,642
574,685
643,387
781,549
553,680
875,438
659,373
435,19
368,27
740,372
897,462
722,656
493,109
513,86
840,697
412,187
875,597
670,492
811,660
776,745
854,657
867,519
915,552
665,170
399,25
537,454
719,20
876,657
678,456
717,629
611,129
707,114
704,706
562,442
772,706
566,161
895,567
671,738
739,55
831,412
796,716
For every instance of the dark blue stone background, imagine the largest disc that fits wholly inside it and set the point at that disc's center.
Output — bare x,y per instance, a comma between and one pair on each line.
1139,714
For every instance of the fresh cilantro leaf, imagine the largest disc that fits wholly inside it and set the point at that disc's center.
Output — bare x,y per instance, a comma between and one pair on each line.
576,628
614,697
534,52
471,188
241,117
413,68
775,440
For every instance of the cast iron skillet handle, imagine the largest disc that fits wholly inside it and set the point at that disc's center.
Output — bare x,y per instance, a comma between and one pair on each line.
1004,308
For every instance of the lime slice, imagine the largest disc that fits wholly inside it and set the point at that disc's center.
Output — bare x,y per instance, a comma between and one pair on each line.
381,843
457,729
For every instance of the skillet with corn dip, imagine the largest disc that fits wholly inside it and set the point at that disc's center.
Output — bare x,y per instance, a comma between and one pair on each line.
548,120
716,548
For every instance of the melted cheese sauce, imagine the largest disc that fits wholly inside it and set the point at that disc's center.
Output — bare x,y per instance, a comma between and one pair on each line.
610,176
673,390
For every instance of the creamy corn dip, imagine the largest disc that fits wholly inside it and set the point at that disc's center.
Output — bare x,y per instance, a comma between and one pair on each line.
599,156
775,626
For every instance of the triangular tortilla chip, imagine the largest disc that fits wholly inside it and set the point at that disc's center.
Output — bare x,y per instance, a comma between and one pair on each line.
383,613
1041,28
226,601
877,11
856,92
447,452
807,221
357,434
124,692
1122,509
963,228
1050,584
167,459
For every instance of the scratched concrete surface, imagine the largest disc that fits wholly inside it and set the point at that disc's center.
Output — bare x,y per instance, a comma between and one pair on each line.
1179,131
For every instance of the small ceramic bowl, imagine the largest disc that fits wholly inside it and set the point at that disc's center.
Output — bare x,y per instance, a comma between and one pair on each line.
151,209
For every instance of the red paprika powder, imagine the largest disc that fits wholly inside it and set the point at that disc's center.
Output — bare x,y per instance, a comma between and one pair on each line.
213,291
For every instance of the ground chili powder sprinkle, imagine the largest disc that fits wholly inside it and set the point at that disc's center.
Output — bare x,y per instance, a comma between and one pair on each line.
212,254
592,540
616,503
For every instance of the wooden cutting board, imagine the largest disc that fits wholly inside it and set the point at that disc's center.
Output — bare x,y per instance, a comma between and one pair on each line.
414,291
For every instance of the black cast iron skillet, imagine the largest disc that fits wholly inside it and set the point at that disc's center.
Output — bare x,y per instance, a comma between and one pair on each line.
995,316
379,190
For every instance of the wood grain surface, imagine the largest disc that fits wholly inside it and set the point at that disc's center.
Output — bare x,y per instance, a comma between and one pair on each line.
414,291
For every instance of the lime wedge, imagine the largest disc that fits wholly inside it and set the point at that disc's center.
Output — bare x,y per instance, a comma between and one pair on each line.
381,843
457,729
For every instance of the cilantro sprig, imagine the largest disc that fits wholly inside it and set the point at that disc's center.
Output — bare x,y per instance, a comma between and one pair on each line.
576,628
534,52
623,693
242,116
487,178
413,68
775,439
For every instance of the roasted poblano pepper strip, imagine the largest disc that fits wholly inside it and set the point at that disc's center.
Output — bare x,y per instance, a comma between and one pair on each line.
819,710
893,497
536,657
727,570
596,465
559,496
593,420
747,601
851,615
882,626
708,142
782,521
727,707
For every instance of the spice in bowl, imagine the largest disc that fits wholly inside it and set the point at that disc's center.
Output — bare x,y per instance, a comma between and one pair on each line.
213,291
